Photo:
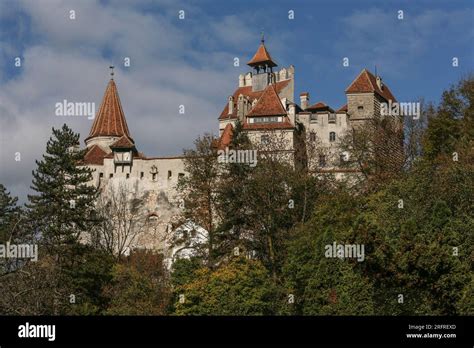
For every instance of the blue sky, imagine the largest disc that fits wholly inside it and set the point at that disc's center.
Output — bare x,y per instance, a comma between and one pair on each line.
190,61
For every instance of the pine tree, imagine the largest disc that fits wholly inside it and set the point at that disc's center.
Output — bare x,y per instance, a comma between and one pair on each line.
64,203
9,214
13,228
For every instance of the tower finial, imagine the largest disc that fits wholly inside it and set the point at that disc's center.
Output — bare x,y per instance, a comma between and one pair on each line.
111,71
262,40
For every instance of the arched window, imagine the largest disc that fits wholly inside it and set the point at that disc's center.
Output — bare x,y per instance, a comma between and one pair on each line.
332,136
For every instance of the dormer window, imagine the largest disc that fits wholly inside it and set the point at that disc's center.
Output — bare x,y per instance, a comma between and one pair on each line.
272,119
332,118
123,157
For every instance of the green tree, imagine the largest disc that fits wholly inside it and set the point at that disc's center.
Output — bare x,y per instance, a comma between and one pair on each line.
63,206
239,287
322,285
9,214
451,123
62,210
139,286
198,190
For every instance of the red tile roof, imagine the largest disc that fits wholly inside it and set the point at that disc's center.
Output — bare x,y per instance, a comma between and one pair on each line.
247,91
95,155
262,57
319,106
286,124
366,82
342,108
269,104
110,119
135,155
123,143
226,137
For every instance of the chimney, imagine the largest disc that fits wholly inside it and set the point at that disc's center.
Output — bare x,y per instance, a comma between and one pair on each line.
231,105
304,100
241,80
240,108
248,79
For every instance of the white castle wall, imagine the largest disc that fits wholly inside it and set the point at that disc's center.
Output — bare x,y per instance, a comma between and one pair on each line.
160,204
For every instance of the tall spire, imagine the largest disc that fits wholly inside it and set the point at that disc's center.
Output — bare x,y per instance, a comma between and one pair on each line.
262,57
110,119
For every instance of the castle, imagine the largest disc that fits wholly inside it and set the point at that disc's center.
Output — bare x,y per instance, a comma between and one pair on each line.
263,103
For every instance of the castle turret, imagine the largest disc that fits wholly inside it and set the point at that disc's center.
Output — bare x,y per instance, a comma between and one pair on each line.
263,65
109,124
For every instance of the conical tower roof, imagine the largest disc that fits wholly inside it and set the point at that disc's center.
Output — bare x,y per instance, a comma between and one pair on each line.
262,57
110,119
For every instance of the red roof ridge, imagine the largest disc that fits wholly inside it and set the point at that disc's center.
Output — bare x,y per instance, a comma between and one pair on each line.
366,82
262,56
342,108
319,105
226,137
269,104
94,155
123,142
247,91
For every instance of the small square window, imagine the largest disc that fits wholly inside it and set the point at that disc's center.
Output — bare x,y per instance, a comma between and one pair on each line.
128,175
360,108
101,175
111,175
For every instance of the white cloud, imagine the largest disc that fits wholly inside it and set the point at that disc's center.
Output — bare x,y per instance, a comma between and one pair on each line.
69,60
